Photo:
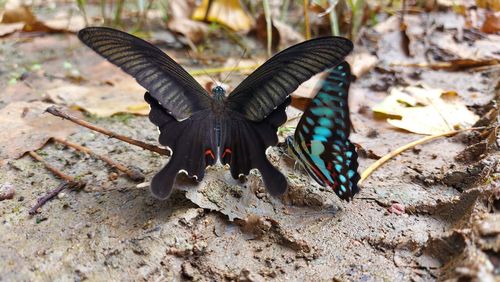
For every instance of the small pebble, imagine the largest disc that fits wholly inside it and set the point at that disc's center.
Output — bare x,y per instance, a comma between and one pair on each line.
7,191
396,208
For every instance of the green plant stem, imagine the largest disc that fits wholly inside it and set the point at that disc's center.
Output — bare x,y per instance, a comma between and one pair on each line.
334,21
118,13
284,10
269,27
81,5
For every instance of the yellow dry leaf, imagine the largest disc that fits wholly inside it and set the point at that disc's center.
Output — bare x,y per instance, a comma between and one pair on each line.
103,101
227,12
425,110
489,4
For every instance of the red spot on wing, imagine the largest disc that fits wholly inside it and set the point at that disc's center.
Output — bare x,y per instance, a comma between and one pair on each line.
210,153
226,151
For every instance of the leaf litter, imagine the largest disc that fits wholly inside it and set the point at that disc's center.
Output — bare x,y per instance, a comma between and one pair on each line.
424,110
27,127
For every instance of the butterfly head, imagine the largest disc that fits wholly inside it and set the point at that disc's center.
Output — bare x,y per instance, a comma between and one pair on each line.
219,92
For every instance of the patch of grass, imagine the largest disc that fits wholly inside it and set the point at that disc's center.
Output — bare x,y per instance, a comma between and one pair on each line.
120,117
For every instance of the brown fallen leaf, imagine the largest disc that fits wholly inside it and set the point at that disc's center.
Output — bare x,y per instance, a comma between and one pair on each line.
226,12
489,4
103,101
180,21
261,32
7,29
288,35
361,63
491,23
18,14
425,110
22,15
26,127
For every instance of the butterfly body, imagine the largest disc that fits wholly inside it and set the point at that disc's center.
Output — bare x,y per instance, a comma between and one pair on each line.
321,141
202,128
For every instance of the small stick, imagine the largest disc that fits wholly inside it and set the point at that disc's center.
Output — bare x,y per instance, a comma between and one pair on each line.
133,174
52,169
403,148
68,182
150,147
306,19
51,194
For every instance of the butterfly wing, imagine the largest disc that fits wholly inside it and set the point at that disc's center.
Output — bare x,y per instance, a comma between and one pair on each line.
191,140
322,136
269,85
244,144
167,82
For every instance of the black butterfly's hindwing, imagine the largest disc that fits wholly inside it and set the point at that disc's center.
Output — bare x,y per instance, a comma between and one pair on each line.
200,129
192,142
268,86
244,144
172,86
321,141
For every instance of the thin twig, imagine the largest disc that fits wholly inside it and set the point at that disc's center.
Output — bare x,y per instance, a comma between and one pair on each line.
403,148
450,65
51,194
52,169
150,147
68,182
133,174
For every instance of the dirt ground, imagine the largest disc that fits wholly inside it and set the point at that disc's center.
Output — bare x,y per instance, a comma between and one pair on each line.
429,213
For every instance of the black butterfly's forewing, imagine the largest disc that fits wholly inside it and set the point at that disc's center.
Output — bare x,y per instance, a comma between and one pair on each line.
268,86
322,136
167,82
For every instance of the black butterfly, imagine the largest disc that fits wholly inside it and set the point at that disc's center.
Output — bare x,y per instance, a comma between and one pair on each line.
200,128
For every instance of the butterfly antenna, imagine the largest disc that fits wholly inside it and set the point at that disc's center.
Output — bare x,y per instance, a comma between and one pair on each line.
203,70
235,66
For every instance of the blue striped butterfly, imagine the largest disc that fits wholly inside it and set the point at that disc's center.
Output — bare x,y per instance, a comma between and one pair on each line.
321,140
201,128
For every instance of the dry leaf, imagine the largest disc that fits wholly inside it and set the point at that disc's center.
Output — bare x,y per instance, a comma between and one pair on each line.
17,14
66,22
181,22
26,127
361,63
491,23
288,35
261,33
6,29
244,66
425,110
489,4
103,101
226,12
22,15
